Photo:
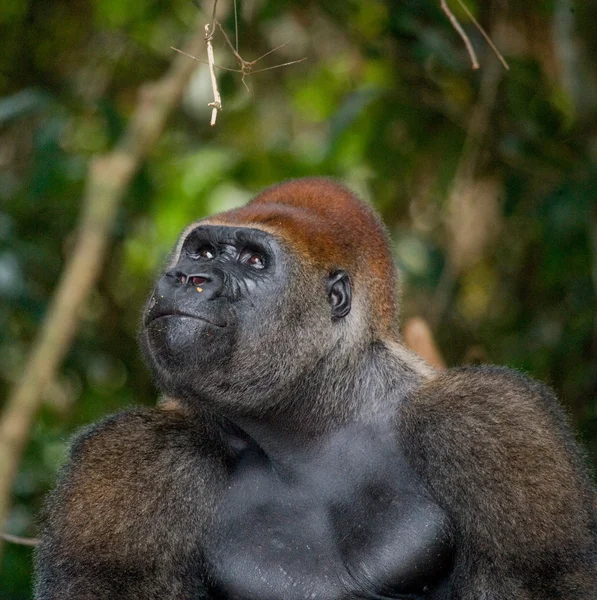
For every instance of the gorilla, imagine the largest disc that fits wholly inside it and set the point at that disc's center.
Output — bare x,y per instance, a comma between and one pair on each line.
300,451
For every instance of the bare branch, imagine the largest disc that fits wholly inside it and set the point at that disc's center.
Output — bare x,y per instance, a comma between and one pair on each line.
246,67
108,179
485,35
461,33
217,103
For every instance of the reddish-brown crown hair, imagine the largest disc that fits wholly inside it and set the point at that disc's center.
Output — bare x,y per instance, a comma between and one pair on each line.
331,229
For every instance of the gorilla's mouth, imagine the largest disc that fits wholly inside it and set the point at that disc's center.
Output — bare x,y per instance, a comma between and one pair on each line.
182,314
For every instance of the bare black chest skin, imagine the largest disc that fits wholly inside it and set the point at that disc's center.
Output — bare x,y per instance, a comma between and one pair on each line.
350,520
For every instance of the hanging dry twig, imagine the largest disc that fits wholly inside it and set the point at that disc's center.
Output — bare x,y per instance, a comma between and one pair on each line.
246,66
217,103
458,27
467,42
488,39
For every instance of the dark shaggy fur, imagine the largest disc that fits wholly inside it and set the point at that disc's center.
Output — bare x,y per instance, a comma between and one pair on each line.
303,452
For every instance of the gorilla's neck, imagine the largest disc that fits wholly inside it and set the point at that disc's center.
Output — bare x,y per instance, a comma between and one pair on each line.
344,390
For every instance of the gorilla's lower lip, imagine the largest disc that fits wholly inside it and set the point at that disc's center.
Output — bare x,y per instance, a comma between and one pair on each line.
184,315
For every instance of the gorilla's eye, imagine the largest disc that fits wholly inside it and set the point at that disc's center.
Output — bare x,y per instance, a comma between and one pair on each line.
206,252
252,258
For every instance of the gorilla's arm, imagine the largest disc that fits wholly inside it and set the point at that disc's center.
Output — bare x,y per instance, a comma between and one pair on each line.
498,455
128,510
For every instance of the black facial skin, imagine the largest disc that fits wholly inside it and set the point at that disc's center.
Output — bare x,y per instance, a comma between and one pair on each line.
205,297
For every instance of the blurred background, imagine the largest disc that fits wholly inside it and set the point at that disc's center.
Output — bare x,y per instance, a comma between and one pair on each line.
486,180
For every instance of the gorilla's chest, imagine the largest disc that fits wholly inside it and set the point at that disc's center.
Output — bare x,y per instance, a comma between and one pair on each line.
351,522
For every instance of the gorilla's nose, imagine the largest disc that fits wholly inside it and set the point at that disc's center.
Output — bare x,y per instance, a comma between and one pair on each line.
193,279
189,274
208,282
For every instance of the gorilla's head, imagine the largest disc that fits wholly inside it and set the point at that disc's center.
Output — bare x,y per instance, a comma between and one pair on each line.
257,299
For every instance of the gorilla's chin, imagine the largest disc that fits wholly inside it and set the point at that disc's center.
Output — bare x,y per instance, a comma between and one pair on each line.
175,344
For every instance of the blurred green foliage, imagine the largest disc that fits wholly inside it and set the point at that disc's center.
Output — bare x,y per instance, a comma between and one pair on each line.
507,274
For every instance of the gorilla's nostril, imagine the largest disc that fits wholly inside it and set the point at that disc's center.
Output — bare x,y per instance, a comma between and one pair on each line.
194,280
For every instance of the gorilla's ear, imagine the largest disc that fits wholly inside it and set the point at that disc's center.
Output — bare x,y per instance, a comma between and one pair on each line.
339,294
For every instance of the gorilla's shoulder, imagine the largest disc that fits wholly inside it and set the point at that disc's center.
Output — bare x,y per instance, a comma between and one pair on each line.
486,386
132,429
512,413
134,441
483,376
121,473
116,461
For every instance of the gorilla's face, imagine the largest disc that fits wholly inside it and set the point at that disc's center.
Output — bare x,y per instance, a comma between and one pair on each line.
212,299
228,317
